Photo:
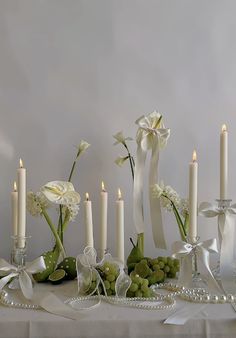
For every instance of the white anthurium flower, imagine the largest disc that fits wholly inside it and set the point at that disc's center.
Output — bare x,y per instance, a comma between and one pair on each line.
120,138
61,192
83,146
121,160
150,127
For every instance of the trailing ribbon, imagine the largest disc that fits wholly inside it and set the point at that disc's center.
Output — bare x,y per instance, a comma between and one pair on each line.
87,267
226,229
151,135
24,274
184,251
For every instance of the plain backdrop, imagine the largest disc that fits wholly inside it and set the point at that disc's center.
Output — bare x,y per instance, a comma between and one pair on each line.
86,69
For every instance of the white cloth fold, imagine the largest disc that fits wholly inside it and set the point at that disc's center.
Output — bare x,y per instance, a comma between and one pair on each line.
151,135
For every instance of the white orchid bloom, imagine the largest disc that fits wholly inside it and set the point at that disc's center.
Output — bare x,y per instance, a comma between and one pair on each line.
120,138
61,192
121,160
150,127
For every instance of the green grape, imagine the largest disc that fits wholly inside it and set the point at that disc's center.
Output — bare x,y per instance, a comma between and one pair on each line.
166,268
133,287
161,264
162,259
176,262
111,278
107,284
144,288
142,269
113,285
155,261
109,292
144,261
156,267
93,285
156,276
135,277
145,282
138,293
147,294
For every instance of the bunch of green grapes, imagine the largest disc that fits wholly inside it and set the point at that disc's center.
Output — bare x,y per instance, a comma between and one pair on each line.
168,265
139,287
108,272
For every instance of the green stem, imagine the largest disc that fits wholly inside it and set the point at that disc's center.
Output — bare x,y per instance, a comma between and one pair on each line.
54,231
131,160
183,233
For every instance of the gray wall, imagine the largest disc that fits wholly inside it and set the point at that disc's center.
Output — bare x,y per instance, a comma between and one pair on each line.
87,69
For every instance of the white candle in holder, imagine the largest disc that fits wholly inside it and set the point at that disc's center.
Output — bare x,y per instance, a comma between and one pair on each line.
120,227
14,205
193,177
21,227
223,162
103,228
88,221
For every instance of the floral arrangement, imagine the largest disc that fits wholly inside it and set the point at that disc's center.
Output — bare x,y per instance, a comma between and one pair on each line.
172,202
62,195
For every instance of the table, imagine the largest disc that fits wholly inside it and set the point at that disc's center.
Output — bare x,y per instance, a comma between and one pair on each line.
113,321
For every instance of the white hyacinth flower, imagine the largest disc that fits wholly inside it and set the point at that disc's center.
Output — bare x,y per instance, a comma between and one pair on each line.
35,202
121,160
73,210
61,192
184,207
158,190
120,138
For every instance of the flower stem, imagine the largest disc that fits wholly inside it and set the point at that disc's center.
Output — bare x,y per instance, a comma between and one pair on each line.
131,160
54,231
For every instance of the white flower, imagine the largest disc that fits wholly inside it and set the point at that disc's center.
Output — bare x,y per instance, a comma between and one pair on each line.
150,127
158,190
60,192
184,207
172,195
121,160
35,202
73,210
120,138
83,146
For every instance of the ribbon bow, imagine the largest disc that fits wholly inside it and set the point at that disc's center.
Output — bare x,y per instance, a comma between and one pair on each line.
226,230
24,274
151,135
86,270
184,251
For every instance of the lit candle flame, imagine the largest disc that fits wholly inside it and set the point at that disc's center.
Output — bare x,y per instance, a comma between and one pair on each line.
15,186
103,186
224,128
21,163
87,196
194,156
119,194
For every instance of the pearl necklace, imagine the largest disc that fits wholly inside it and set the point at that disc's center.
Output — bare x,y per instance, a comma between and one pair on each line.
167,301
7,302
197,295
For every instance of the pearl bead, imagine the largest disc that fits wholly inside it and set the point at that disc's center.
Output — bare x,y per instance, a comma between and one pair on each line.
222,299
206,298
214,299
230,297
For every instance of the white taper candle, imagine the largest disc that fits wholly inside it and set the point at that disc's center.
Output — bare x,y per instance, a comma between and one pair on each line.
21,228
88,221
120,228
14,205
103,227
223,162
193,178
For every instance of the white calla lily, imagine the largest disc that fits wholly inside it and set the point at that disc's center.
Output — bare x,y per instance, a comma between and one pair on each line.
61,192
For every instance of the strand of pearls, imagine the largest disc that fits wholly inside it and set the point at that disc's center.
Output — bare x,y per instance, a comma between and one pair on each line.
4,299
197,295
167,301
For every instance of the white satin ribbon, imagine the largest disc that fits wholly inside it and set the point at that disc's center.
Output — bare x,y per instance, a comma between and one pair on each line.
152,137
86,266
184,251
24,274
226,229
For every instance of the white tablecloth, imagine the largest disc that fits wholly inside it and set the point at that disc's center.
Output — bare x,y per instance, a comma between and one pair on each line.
114,321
